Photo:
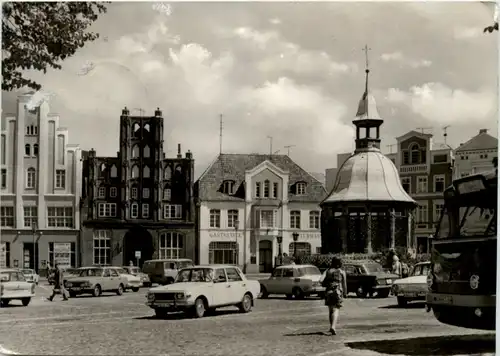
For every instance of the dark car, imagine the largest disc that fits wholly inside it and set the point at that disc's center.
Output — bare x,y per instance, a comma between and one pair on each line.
68,272
368,278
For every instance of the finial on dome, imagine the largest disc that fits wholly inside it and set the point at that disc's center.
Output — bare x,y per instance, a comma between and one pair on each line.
367,108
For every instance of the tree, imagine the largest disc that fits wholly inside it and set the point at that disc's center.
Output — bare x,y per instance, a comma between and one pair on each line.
38,35
493,27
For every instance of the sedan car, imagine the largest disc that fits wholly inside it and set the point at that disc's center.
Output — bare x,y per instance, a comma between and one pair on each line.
136,271
199,289
133,282
413,287
30,275
13,286
293,280
95,280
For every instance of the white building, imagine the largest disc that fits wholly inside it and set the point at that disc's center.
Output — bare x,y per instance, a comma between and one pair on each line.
40,189
247,201
476,155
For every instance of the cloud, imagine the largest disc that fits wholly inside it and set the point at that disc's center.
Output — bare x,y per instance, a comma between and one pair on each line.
275,21
403,60
438,103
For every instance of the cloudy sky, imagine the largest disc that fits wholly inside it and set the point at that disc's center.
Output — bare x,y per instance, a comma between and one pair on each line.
293,71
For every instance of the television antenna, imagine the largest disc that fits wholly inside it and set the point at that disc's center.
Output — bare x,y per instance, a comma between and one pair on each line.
422,129
270,145
391,146
288,149
445,132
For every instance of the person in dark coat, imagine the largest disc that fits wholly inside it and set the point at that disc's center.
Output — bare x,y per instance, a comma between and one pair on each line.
58,284
335,284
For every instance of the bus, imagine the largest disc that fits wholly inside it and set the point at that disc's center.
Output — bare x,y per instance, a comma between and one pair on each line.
462,279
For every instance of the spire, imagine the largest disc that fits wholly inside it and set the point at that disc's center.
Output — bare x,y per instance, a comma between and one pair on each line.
367,108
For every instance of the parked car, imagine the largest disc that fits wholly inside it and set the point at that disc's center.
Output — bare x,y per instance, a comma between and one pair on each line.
367,278
95,280
136,271
68,273
199,289
413,287
164,271
30,275
293,280
13,286
133,282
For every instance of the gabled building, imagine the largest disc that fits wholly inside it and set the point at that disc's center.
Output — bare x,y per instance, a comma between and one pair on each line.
248,203
138,205
476,155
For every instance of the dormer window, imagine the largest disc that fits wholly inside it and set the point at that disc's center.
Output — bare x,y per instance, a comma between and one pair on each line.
267,188
300,188
228,187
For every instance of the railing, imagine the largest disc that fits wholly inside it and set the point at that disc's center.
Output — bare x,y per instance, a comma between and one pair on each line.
418,168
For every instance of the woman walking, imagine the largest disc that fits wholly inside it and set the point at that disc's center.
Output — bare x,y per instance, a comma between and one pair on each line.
335,284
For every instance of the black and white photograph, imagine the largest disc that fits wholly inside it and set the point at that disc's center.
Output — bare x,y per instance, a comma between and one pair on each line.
256,178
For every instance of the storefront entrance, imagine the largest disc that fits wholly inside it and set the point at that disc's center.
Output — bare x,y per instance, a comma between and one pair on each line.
265,256
137,239
30,256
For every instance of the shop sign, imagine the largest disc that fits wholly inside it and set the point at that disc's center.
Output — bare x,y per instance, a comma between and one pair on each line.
225,235
3,255
310,236
62,254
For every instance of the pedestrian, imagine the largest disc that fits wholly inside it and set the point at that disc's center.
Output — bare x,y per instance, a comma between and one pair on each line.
396,266
335,284
48,270
131,264
58,284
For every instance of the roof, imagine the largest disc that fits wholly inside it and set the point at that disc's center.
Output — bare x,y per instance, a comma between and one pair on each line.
482,141
234,166
368,176
168,259
212,266
294,266
9,270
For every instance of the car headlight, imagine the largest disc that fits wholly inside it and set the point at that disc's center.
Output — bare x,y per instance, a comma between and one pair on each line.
32,289
179,296
69,285
151,297
474,281
430,280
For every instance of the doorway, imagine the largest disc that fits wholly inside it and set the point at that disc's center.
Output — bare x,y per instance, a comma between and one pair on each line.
137,239
265,256
30,256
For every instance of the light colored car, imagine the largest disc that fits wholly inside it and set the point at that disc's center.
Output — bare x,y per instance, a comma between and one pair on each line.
133,282
293,280
30,275
95,280
13,286
413,287
199,289
136,271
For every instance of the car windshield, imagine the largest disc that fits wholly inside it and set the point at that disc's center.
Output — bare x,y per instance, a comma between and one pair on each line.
72,271
91,272
27,271
121,271
9,276
195,275
421,270
309,271
374,267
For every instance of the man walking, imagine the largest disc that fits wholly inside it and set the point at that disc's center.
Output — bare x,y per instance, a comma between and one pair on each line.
58,284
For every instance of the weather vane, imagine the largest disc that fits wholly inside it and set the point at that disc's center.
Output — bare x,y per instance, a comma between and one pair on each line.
366,49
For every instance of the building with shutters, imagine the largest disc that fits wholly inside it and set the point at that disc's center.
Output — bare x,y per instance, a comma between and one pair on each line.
40,189
139,203
249,206
476,155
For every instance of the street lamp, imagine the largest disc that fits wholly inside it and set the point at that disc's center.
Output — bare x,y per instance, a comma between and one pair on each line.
295,236
279,238
33,231
236,223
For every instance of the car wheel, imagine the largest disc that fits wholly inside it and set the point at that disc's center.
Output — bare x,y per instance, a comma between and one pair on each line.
298,293
321,295
72,294
26,301
383,294
97,291
402,302
289,296
4,302
199,308
263,292
360,292
119,291
246,304
135,289
161,313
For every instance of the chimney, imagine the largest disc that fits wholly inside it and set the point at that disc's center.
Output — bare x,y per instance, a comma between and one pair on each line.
189,155
158,112
179,154
125,111
483,131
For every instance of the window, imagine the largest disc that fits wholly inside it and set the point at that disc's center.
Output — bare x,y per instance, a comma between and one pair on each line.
107,210
133,193
30,216
421,184
171,245
172,211
275,190
301,188
4,254
422,215
303,248
287,272
102,247
64,253
60,217
102,192
145,193
3,148
438,209
232,218
114,171
295,219
415,154
145,211
134,210
135,151
267,187
314,219
406,183
406,157
147,152
31,178
27,149
146,172
60,178
135,172
222,252
146,127
277,272
113,192
167,194
257,189
233,275
167,173
267,219
440,158
214,218
4,178
7,216
439,183
136,129
228,187
35,149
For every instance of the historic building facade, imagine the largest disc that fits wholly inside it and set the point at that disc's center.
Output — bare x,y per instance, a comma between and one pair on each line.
476,155
40,189
250,207
138,205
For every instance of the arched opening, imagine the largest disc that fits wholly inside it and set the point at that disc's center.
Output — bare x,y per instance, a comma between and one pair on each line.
265,256
137,239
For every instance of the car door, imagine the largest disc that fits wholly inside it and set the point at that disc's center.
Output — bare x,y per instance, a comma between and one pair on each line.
221,288
236,287
106,279
115,279
352,278
273,281
286,282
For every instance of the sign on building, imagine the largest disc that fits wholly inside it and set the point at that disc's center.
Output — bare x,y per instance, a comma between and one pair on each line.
3,255
62,254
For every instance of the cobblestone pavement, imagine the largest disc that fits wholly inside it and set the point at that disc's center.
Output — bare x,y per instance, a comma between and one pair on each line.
114,325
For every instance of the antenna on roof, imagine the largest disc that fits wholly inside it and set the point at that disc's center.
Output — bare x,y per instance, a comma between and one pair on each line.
220,135
288,149
422,129
270,145
445,133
